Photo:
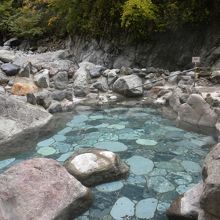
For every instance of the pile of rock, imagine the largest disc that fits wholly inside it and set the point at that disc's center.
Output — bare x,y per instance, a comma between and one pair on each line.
42,189
202,201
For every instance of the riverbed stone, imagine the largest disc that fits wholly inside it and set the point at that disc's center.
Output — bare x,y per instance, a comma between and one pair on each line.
140,165
46,151
130,86
122,208
111,146
191,166
110,187
10,69
41,189
146,142
160,184
42,79
100,167
187,205
61,80
197,112
210,198
145,209
46,143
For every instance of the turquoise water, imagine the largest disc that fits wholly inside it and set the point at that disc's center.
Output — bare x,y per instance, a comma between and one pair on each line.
165,161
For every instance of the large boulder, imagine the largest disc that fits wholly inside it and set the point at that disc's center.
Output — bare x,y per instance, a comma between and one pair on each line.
42,79
187,206
93,166
3,78
130,86
210,198
101,84
7,56
41,189
197,111
18,122
10,69
81,84
61,80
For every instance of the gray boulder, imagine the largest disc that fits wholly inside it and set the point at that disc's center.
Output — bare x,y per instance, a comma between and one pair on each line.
42,79
55,107
187,206
96,71
61,80
174,100
101,84
10,69
111,75
41,189
197,112
81,84
210,198
7,56
18,122
43,98
101,166
3,78
26,71
130,86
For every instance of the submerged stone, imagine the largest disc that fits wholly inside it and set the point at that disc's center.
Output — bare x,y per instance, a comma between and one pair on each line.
162,207
65,131
46,151
160,184
146,208
136,180
111,146
46,143
110,187
158,172
59,137
171,166
146,142
191,166
122,208
140,165
116,126
6,162
64,157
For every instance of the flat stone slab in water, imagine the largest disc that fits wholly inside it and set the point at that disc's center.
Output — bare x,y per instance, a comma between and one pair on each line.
146,208
140,165
110,187
59,137
46,143
111,146
46,151
116,126
191,166
160,184
146,142
123,207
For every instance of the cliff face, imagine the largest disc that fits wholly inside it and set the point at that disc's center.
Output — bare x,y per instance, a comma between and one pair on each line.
171,50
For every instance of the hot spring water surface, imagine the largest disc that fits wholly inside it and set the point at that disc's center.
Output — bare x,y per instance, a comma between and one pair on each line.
165,161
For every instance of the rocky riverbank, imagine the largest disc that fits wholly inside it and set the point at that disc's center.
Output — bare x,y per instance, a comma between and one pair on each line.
34,86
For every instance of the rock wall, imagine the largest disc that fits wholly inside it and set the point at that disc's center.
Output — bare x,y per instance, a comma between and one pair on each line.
168,50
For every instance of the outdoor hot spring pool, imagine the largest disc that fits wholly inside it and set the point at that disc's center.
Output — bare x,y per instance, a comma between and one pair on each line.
164,160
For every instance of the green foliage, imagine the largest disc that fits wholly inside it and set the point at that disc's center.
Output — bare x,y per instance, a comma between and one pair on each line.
102,18
139,16
26,23
6,11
